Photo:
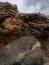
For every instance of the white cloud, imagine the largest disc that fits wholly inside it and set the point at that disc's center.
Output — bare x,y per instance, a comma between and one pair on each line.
35,9
22,7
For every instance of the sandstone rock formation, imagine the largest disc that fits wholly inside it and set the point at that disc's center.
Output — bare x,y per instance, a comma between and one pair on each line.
14,24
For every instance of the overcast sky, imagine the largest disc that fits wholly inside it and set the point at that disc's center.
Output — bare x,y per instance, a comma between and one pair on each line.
31,6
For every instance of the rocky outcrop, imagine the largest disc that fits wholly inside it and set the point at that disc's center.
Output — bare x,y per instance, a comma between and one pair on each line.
16,50
14,24
38,25
8,18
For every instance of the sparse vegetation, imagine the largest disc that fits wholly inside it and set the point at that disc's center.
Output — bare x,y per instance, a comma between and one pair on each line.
16,63
35,61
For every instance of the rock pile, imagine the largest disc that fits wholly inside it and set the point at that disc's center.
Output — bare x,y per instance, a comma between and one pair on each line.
7,10
14,24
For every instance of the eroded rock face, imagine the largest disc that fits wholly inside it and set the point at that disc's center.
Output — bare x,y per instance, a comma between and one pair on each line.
38,25
14,24
9,17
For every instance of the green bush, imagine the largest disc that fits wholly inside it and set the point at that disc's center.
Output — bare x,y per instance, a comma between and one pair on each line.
16,63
